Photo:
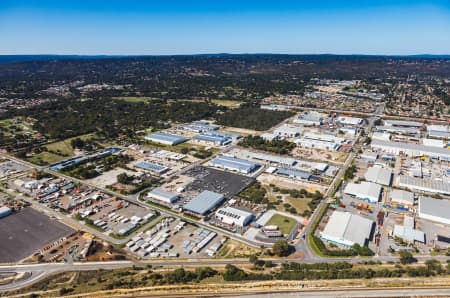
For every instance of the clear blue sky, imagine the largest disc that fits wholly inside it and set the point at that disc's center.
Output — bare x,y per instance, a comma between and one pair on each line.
228,26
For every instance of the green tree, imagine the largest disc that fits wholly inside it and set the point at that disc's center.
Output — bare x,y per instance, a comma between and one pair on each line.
281,248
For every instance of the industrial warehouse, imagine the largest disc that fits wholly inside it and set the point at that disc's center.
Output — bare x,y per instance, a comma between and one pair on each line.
411,149
204,202
434,210
234,164
346,229
368,191
233,216
166,138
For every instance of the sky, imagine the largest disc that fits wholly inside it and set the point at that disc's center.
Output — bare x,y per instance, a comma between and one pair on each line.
132,27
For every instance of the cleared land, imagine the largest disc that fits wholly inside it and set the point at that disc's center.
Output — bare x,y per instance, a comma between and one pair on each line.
25,232
283,222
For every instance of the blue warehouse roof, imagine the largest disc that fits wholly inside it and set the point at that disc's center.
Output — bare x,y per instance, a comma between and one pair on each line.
235,163
204,202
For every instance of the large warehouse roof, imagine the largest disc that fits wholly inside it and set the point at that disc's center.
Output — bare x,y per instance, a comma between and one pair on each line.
152,167
294,173
379,175
412,149
273,158
220,140
402,123
163,195
347,229
233,163
204,202
366,191
427,185
434,209
166,138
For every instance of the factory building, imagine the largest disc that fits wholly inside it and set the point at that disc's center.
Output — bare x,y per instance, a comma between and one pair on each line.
438,131
284,161
166,138
5,211
399,130
204,202
234,217
294,174
434,210
151,167
402,197
311,118
381,136
230,135
379,175
367,191
411,149
234,164
433,143
322,141
347,229
216,140
288,131
350,120
369,156
400,123
164,196
408,234
425,185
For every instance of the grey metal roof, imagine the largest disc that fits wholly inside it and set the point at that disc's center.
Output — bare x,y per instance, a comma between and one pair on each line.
402,196
204,202
235,163
434,207
159,192
424,184
420,149
153,167
166,137
294,173
409,234
406,130
379,175
211,138
403,123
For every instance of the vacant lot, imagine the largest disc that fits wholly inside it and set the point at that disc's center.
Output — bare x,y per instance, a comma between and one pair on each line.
25,232
283,222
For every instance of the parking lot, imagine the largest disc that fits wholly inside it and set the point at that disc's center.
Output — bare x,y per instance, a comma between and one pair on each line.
226,183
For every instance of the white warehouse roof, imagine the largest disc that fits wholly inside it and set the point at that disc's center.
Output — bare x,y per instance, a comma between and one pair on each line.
411,149
379,175
427,185
347,229
163,195
234,216
366,191
409,234
434,209
402,196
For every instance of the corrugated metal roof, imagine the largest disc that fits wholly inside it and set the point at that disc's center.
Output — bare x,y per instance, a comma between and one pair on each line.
378,175
204,202
434,207
166,137
235,163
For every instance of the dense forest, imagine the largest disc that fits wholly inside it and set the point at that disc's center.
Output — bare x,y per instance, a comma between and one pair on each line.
205,76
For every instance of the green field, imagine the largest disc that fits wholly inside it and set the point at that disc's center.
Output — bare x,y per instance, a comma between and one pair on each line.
134,99
45,158
283,222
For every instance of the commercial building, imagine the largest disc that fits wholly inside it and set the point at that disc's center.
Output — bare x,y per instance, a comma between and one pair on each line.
379,175
367,191
400,123
426,185
369,156
166,138
233,216
216,140
288,131
408,234
402,197
5,211
350,120
346,229
162,195
434,210
311,118
234,164
204,202
320,141
411,149
230,135
151,167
